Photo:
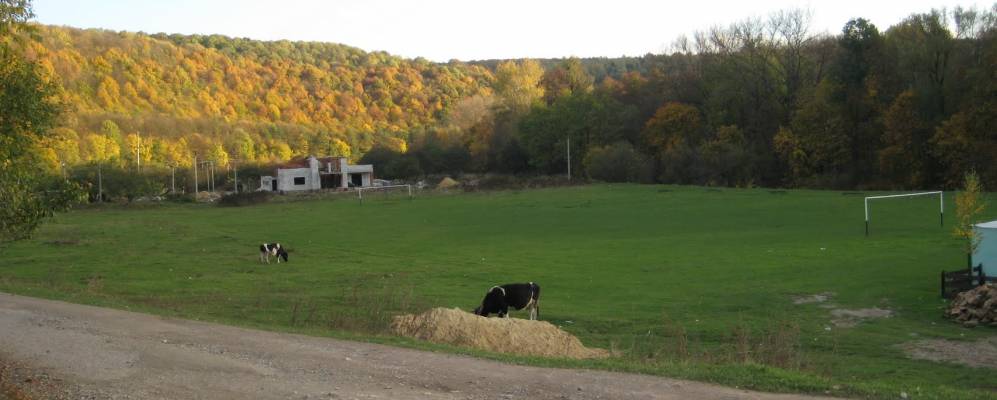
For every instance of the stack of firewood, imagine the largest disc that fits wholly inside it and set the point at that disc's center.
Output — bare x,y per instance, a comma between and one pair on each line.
975,307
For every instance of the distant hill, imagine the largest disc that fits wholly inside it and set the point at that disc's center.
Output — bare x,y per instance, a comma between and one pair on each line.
256,100
598,67
761,102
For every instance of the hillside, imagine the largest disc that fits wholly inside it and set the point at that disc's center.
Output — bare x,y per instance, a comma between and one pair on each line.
257,100
759,102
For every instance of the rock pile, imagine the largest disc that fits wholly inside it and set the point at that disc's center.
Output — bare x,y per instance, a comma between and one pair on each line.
975,307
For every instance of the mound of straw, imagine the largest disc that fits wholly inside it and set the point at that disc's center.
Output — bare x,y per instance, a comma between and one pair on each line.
502,335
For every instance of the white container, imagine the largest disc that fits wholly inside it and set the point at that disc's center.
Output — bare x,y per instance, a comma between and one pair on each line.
986,252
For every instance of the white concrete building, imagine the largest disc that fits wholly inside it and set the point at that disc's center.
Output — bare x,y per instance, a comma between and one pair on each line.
318,173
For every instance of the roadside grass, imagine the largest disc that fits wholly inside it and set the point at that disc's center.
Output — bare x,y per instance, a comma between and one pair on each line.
687,282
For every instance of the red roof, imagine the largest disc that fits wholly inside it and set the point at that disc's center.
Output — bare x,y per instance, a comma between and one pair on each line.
302,163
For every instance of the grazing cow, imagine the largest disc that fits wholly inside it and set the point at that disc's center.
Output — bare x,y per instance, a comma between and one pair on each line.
272,249
515,295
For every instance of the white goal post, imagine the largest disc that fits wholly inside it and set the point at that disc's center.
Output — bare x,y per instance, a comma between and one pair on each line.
941,205
360,190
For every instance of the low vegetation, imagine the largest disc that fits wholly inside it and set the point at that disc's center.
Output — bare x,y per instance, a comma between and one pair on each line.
743,287
244,199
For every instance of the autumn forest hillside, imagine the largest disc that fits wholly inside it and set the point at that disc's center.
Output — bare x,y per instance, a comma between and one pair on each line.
763,101
253,100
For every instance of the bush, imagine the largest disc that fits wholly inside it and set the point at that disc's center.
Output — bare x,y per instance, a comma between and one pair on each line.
244,199
182,198
379,156
516,182
497,182
404,167
120,183
618,163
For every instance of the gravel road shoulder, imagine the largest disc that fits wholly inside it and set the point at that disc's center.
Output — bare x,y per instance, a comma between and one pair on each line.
51,349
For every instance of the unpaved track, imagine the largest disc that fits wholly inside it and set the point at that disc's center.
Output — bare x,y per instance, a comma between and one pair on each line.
64,350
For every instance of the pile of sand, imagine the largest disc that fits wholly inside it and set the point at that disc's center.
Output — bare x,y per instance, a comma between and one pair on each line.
447,183
503,335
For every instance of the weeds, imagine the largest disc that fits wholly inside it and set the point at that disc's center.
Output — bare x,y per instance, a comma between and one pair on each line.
777,345
244,199
365,306
95,284
53,277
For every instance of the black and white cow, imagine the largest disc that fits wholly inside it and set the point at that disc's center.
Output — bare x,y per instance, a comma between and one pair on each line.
268,250
515,295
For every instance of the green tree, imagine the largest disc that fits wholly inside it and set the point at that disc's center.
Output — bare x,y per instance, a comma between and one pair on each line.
27,110
966,141
923,46
905,137
584,118
824,141
111,131
850,94
725,159
14,17
618,162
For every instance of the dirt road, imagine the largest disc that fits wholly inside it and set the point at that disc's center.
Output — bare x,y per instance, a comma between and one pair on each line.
51,349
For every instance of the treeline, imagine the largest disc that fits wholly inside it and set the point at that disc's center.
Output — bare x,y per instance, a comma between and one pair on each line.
760,102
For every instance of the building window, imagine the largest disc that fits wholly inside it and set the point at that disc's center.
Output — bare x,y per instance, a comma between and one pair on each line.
299,180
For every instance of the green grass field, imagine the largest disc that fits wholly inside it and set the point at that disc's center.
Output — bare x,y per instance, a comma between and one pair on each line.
681,281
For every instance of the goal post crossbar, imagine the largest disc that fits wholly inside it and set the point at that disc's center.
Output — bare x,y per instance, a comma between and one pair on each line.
941,205
361,189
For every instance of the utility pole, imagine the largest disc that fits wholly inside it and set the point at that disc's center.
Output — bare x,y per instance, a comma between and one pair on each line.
569,158
138,152
173,179
195,175
235,169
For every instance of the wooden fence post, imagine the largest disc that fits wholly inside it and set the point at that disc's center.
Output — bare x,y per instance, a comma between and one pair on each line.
943,284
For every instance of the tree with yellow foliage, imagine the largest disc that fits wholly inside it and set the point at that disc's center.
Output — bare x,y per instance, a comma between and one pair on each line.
340,148
519,84
218,155
108,93
178,153
968,207
65,142
100,148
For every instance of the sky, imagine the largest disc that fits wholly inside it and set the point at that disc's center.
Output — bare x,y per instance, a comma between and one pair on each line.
441,30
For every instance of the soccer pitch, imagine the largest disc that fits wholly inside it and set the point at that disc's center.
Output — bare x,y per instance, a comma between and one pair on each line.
703,283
